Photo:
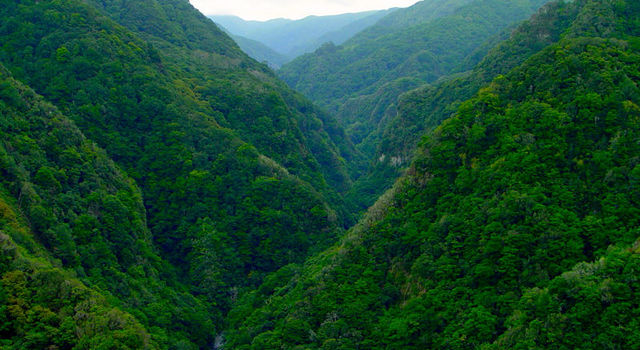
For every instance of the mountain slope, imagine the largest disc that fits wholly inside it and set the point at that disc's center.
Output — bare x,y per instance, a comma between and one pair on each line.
299,136
42,306
341,34
239,174
61,192
362,79
204,64
260,52
590,307
421,110
532,176
173,21
425,108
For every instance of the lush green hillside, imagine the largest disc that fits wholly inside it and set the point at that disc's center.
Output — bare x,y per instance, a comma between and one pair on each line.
483,243
159,189
394,141
425,108
69,214
231,84
424,42
239,175
260,52
292,38
593,306
173,21
361,80
45,307
421,12
340,34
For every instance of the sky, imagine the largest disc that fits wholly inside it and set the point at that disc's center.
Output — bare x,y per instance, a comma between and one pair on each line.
262,10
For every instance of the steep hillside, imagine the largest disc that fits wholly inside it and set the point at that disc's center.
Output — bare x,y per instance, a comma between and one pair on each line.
174,21
422,109
292,38
239,174
425,108
419,13
340,34
422,43
45,307
260,52
593,306
68,213
482,244
231,84
362,79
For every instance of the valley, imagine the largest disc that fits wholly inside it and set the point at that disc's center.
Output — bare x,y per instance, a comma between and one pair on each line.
458,174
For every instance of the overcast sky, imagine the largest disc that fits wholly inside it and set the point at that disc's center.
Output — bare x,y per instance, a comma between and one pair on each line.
293,9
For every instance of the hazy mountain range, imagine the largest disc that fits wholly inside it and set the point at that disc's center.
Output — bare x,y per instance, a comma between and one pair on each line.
462,174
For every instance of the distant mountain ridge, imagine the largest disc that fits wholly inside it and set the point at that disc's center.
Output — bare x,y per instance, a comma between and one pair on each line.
292,38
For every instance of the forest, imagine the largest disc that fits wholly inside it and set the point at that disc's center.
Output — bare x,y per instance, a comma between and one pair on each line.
279,41
460,174
361,80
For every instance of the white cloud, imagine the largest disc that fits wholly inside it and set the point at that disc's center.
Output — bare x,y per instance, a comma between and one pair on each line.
294,9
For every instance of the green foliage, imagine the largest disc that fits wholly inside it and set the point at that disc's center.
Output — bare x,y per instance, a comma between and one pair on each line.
424,42
233,90
288,39
593,306
362,79
173,21
532,176
425,108
482,244
87,214
421,110
199,127
239,175
42,306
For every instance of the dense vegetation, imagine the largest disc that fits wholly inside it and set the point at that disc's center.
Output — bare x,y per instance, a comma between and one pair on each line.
161,190
425,108
238,174
60,192
425,42
260,52
486,242
593,306
362,79
44,307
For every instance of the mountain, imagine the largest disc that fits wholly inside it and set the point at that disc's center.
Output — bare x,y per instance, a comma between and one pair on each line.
422,43
339,32
516,224
76,252
214,173
292,38
361,80
324,145
258,51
